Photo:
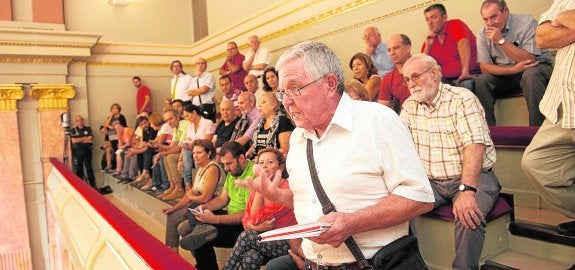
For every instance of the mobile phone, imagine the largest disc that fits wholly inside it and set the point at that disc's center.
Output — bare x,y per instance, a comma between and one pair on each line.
195,211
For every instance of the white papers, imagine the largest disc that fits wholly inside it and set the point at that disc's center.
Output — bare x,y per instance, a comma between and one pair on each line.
295,231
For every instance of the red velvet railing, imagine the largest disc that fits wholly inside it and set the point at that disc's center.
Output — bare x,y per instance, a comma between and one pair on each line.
156,255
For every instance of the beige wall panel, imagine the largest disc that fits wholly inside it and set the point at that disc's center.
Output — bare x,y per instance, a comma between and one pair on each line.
223,14
148,21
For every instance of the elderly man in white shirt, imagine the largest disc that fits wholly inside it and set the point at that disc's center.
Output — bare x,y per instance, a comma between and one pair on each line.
364,157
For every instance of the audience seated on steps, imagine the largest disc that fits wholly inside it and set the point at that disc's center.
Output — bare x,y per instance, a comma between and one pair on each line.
208,185
273,129
549,160
453,45
262,215
221,228
170,154
377,50
225,127
200,128
140,150
110,137
159,177
393,91
250,116
365,72
458,158
509,60
144,181
125,138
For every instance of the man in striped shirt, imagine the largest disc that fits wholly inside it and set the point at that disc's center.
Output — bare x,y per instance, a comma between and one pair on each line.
549,161
448,127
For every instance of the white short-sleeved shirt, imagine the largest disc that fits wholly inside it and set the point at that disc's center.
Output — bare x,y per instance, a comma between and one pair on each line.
183,83
262,56
561,88
205,79
365,154
205,127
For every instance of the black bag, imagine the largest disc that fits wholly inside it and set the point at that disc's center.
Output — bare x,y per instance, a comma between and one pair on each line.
208,111
401,254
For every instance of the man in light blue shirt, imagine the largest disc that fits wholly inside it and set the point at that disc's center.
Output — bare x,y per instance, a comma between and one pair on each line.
509,60
377,50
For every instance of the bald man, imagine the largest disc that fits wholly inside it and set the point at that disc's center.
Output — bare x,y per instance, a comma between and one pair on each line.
203,89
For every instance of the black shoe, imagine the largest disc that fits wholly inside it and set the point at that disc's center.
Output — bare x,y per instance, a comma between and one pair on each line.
201,234
567,228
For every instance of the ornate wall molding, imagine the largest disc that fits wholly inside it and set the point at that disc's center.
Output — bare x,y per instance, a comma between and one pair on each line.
52,96
9,94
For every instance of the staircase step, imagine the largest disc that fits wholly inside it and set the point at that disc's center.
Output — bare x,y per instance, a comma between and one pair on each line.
539,231
511,260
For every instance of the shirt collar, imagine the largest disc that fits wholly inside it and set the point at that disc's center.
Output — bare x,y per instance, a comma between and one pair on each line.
342,117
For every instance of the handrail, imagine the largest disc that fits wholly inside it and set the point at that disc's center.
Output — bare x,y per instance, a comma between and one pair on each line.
150,249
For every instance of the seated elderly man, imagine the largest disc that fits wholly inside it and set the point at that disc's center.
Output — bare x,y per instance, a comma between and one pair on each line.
452,139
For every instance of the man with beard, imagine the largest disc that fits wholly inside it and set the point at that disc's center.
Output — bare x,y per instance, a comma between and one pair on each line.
221,228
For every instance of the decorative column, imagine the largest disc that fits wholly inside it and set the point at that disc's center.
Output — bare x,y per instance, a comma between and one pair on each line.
52,102
14,247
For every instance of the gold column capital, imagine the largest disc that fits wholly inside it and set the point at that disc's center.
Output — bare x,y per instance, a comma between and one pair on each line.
52,96
9,94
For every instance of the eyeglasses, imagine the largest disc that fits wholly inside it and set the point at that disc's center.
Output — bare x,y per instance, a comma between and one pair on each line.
415,78
229,49
294,92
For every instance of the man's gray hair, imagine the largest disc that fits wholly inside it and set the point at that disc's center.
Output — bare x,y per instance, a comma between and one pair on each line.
429,61
318,60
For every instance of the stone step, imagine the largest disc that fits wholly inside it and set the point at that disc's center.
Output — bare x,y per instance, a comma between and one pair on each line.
512,260
511,111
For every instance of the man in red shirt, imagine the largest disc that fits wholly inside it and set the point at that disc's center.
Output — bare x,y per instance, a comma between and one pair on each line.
452,44
392,91
143,96
233,66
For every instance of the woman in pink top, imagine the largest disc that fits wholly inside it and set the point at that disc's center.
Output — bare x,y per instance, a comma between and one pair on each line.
262,215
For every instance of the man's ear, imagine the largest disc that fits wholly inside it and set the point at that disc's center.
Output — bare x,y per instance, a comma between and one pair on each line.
331,83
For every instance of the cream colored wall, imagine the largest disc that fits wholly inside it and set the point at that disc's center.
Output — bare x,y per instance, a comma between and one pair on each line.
142,21
224,14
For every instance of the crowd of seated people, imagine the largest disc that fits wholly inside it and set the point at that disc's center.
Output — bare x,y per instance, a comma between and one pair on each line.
253,127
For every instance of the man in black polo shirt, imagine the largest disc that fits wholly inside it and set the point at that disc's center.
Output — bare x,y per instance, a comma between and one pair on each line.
82,150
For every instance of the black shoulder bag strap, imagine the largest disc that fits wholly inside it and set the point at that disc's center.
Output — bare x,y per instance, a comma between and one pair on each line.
328,207
199,96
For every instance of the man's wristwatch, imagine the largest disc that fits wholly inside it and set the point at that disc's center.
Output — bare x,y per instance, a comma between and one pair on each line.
464,187
501,41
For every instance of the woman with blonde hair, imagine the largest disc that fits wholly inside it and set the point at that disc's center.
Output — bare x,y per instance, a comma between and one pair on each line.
274,128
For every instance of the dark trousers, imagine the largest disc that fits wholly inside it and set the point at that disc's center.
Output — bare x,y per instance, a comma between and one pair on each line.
532,83
227,236
82,159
